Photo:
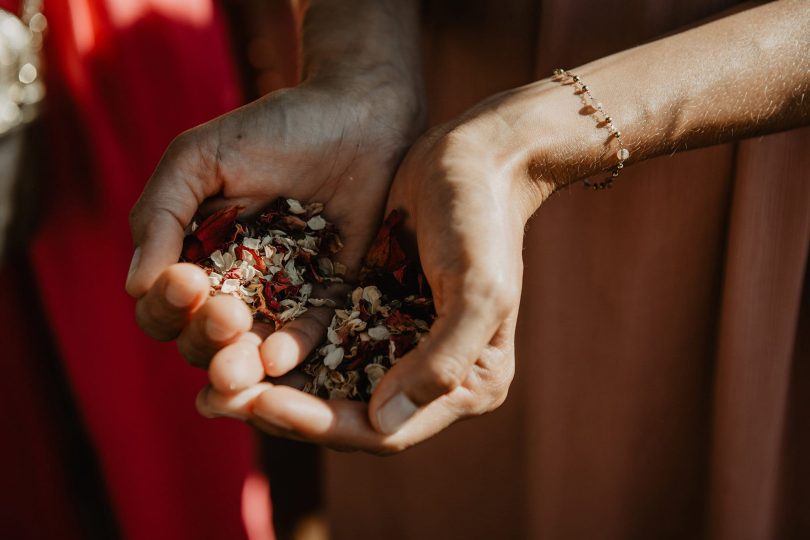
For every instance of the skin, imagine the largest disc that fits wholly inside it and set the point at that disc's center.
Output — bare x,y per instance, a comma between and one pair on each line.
469,188
336,138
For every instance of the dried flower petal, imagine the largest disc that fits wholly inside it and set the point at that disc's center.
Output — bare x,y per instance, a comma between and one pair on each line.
268,263
379,333
316,223
333,358
213,233
386,317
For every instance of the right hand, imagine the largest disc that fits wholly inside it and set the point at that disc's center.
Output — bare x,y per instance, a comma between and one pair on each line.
316,142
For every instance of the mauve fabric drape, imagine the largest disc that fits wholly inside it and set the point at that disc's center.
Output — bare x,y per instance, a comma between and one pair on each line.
663,335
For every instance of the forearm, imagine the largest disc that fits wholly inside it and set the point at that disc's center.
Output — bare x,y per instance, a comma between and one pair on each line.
365,46
743,75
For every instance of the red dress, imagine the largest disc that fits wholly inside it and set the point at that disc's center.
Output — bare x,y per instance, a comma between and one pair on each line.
124,78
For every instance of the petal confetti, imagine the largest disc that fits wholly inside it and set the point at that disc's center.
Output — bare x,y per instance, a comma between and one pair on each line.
270,263
273,262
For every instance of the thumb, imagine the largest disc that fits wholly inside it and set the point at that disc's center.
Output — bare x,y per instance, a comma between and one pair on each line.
168,203
440,363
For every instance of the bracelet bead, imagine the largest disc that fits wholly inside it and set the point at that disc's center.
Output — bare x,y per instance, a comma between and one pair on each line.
597,111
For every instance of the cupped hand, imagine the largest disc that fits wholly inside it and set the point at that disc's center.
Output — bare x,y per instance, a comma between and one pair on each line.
317,142
467,209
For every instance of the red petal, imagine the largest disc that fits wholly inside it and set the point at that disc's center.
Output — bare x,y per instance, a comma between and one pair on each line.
213,233
259,262
380,249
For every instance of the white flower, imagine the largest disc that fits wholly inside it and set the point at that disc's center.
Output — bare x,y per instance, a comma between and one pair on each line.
292,273
372,295
332,336
309,243
294,310
334,358
295,206
248,257
355,325
230,286
379,333
214,279
316,223
251,243
222,261
357,294
318,302
374,372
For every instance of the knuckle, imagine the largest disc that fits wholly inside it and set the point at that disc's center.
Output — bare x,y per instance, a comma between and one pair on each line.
494,290
151,323
191,351
502,375
445,374
498,395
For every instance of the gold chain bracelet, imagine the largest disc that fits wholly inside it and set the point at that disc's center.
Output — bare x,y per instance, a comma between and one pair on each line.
597,111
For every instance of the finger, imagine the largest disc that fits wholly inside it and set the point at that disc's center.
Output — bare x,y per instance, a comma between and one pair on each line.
289,346
182,180
340,424
167,307
211,403
238,366
220,321
438,365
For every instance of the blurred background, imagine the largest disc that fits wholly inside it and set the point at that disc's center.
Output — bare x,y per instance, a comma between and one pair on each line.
639,406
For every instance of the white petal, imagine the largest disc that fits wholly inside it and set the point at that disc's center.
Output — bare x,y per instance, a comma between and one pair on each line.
230,285
251,243
295,206
332,336
316,223
379,333
334,358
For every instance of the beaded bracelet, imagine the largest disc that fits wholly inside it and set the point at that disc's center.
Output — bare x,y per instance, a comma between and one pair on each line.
602,121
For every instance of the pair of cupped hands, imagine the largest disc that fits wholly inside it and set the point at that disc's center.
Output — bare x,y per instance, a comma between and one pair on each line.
355,153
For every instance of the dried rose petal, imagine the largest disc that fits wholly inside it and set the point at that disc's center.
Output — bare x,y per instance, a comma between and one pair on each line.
212,234
385,317
267,262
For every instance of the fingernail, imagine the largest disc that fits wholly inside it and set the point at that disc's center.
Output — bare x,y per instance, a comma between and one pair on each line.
178,295
395,412
218,332
133,266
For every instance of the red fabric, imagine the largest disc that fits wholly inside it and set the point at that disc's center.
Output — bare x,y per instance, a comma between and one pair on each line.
125,77
33,474
10,5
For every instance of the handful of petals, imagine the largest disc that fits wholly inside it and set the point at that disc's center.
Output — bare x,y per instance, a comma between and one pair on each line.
272,264
385,317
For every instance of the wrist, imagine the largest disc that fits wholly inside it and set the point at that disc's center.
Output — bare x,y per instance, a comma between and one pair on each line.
367,52
537,139
550,139
384,101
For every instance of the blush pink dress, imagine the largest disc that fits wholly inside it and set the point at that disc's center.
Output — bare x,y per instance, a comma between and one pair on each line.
663,348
